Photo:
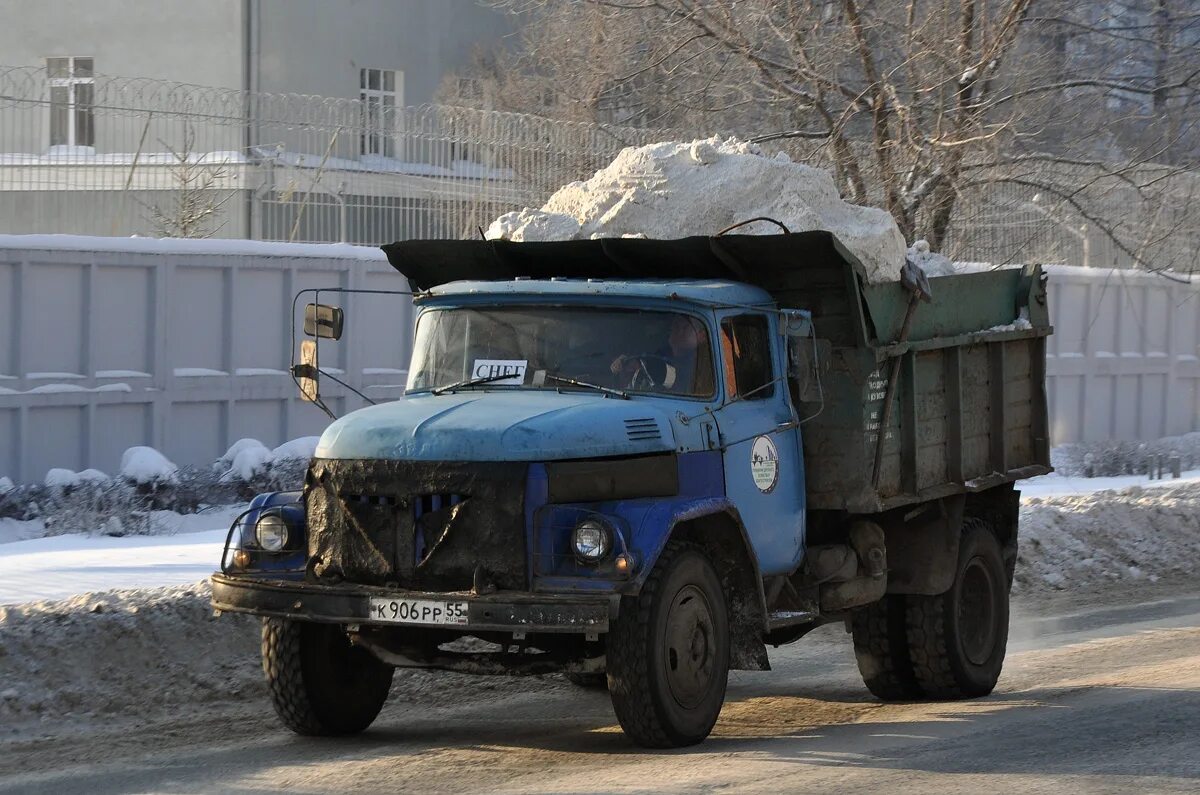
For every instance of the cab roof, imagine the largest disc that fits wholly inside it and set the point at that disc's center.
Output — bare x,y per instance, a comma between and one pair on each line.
704,291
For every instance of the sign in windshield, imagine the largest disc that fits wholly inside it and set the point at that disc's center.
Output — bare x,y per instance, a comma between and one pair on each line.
630,350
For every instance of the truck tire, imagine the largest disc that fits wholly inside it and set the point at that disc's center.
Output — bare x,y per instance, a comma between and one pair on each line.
320,684
668,652
957,640
881,649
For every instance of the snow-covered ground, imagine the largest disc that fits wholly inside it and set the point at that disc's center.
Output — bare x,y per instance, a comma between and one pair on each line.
1088,541
1115,528
144,649
1056,485
61,566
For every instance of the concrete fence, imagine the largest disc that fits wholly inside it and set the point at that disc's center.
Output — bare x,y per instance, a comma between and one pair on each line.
179,344
183,345
1124,360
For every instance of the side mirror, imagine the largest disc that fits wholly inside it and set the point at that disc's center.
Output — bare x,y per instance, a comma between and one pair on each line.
306,373
808,357
324,321
796,323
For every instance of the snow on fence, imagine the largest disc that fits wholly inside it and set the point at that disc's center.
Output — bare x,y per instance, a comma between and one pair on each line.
183,345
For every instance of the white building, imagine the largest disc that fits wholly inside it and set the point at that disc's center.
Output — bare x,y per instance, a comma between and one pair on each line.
113,105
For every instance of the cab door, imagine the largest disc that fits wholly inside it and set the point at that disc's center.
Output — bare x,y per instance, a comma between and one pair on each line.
760,441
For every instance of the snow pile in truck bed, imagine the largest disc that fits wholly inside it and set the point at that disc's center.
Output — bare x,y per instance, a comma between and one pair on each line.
933,263
676,189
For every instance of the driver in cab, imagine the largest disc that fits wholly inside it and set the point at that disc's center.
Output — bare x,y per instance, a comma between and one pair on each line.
672,368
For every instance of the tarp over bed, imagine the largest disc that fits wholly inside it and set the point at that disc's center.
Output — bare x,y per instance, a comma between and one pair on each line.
754,259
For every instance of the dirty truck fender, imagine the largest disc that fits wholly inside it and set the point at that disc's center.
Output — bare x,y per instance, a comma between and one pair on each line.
714,524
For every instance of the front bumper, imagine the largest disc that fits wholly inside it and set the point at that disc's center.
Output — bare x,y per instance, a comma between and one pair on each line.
503,611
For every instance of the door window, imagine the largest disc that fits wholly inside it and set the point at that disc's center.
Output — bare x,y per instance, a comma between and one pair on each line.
746,348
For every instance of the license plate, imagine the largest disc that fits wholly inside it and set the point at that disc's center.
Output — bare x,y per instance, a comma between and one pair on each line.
418,611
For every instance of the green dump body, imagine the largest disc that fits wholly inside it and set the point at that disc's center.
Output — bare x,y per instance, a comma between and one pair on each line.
970,408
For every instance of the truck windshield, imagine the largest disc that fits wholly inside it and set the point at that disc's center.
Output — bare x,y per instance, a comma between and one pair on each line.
631,350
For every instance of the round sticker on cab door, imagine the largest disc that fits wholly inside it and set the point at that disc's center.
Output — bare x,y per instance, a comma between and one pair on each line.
764,464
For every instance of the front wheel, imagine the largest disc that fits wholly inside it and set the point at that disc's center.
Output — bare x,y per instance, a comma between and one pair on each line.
321,684
668,652
957,640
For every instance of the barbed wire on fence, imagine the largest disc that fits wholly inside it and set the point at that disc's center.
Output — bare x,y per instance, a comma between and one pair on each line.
330,169
306,168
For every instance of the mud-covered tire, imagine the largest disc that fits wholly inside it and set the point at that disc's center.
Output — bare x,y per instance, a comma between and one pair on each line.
320,684
881,649
589,681
957,640
668,652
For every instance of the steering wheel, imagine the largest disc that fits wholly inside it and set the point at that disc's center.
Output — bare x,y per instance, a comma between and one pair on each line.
642,380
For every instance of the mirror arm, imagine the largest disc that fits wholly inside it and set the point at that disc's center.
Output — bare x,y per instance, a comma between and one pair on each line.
304,371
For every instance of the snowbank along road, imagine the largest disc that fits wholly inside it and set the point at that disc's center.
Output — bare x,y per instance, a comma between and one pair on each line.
146,691
1092,699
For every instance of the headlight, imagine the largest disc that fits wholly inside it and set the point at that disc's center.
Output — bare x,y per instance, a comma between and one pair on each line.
271,532
592,539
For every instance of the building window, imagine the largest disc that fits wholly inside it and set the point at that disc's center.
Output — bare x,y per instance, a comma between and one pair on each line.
381,91
72,93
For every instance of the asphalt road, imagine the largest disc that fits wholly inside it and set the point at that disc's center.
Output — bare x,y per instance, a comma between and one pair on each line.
1103,700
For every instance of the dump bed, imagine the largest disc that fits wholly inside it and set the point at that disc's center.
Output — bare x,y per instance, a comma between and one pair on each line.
970,404
969,410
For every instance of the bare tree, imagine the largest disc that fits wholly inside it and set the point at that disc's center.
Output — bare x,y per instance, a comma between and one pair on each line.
921,106
195,203
1142,58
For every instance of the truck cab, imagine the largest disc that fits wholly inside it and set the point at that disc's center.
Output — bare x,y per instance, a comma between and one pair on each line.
594,475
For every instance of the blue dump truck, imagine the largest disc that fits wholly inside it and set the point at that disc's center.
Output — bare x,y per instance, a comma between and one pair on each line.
640,463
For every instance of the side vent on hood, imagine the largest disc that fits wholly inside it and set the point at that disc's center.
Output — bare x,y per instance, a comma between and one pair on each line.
642,430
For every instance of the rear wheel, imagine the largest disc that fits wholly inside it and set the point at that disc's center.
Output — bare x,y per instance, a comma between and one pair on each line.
668,652
957,640
881,649
320,684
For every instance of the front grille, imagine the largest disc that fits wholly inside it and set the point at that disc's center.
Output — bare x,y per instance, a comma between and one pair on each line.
371,499
440,526
428,503
644,429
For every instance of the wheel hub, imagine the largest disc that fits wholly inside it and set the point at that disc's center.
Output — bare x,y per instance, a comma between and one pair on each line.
689,647
977,614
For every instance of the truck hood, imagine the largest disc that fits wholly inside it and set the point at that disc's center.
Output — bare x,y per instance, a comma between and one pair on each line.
500,426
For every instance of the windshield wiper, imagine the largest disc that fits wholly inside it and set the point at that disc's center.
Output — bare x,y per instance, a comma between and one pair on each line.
487,379
575,382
